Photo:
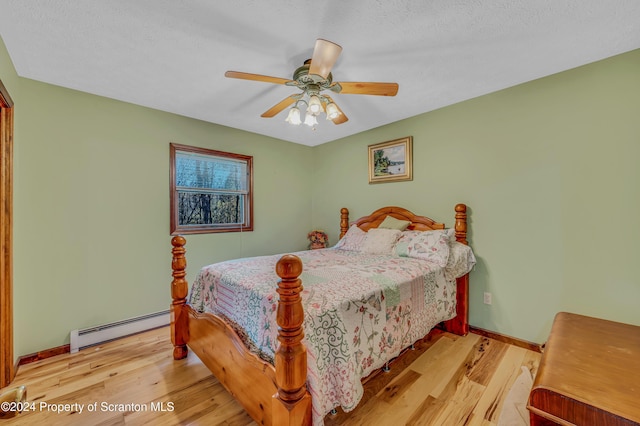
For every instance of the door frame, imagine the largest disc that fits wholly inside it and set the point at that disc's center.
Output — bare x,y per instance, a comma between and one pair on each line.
7,369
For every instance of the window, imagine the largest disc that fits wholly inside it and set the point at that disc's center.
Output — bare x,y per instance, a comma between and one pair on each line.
211,191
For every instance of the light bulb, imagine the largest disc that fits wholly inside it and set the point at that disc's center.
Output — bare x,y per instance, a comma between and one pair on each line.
310,120
294,116
315,106
332,111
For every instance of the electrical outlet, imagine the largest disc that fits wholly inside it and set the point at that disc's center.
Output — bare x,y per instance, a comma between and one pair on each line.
487,298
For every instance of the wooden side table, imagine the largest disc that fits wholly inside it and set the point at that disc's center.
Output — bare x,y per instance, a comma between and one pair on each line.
589,374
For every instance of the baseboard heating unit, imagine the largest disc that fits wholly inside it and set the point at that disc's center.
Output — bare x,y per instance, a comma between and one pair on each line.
91,336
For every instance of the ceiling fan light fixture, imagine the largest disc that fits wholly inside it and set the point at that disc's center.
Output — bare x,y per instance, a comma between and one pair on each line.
294,116
310,120
311,79
332,111
315,106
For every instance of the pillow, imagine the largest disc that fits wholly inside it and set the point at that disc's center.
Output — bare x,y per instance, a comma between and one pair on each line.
461,261
379,241
451,232
403,242
391,222
430,245
352,240
400,249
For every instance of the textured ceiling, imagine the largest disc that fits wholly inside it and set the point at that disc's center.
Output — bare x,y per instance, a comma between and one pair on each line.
172,54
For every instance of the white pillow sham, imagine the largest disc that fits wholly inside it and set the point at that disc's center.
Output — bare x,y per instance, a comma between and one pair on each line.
380,241
352,240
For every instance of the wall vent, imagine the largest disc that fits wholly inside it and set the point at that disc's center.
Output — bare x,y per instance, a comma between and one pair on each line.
91,336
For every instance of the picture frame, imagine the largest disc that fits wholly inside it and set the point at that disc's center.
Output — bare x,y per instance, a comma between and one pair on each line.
391,161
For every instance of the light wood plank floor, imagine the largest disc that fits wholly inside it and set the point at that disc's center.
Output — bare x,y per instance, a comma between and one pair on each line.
447,380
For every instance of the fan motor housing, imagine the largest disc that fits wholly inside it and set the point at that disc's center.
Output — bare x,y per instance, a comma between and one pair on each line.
302,77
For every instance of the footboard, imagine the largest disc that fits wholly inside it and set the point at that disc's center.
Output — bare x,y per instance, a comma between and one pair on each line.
250,380
271,395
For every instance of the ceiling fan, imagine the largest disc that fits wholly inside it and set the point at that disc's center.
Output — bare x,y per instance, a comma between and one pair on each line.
313,78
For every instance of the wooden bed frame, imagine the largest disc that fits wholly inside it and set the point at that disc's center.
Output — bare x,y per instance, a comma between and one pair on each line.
277,395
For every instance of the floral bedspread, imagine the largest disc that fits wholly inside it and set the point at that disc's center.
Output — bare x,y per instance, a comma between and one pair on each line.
360,311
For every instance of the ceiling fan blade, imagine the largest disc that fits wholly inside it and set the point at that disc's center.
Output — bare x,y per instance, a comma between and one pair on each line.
256,77
360,88
274,110
342,118
325,55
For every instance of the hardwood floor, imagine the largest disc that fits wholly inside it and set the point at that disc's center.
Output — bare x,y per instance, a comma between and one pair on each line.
447,380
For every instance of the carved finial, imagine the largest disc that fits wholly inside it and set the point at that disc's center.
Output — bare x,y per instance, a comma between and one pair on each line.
344,221
289,267
178,241
461,223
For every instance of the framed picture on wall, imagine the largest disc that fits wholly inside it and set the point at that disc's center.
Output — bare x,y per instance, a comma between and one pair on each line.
391,161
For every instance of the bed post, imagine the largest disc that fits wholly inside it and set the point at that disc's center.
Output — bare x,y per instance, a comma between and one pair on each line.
460,324
344,221
179,289
292,402
461,224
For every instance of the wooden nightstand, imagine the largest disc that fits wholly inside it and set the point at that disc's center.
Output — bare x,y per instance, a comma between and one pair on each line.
589,374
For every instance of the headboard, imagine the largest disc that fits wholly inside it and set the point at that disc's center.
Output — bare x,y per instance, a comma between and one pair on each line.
418,223
460,323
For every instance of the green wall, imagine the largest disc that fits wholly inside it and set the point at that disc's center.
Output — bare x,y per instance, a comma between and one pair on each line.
91,207
549,170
